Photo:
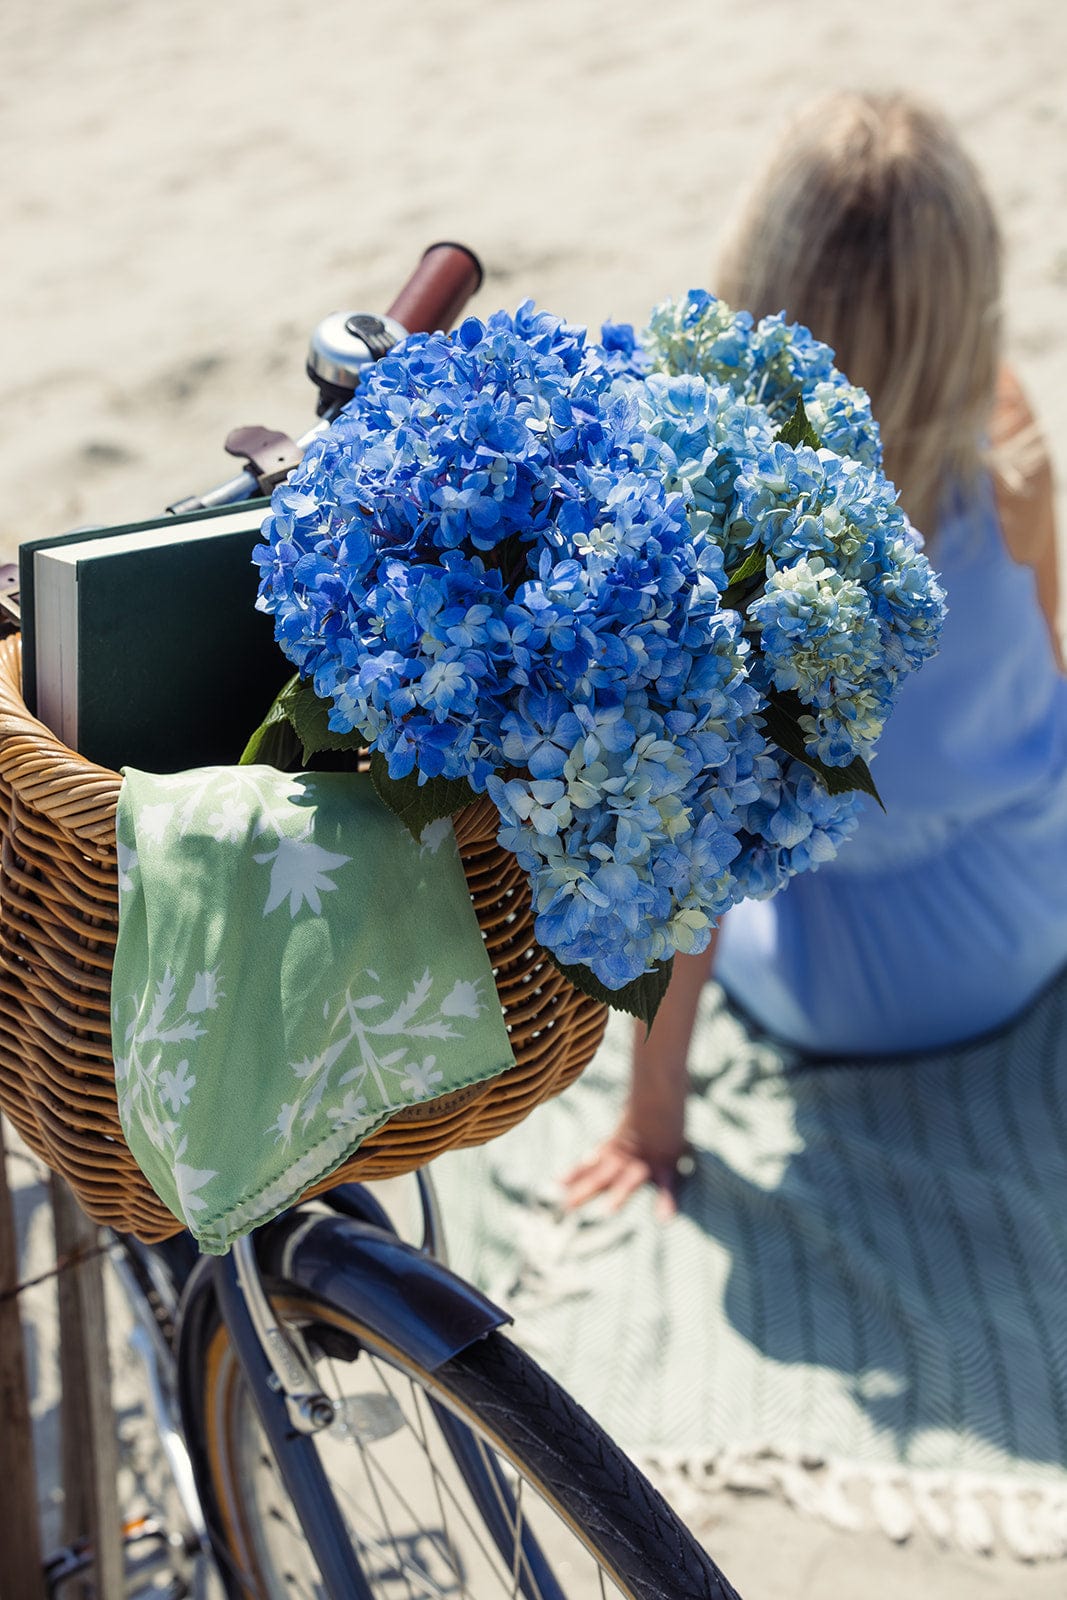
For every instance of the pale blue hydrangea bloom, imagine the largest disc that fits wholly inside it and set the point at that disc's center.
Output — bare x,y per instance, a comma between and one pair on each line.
839,553
772,364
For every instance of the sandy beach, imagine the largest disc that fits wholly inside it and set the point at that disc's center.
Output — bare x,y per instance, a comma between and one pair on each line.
189,188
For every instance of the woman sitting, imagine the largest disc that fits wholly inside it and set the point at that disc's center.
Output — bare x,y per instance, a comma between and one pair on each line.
947,913
862,1300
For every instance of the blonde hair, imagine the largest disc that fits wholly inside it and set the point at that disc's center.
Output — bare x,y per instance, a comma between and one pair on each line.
872,227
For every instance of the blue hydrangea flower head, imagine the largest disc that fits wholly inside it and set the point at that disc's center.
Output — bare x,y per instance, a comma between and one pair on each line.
513,560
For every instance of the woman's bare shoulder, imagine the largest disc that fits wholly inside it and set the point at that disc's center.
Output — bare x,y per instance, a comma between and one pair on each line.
1011,408
1022,471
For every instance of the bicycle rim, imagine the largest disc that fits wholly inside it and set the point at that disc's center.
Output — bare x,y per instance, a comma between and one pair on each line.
572,1520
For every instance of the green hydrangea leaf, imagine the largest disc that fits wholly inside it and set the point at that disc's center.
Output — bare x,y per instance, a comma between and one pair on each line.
274,743
296,729
640,999
745,579
798,430
310,719
781,719
418,804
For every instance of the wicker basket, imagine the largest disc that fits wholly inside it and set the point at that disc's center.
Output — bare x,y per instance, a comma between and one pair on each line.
58,926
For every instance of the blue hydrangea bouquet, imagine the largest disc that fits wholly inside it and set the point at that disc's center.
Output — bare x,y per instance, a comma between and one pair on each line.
653,596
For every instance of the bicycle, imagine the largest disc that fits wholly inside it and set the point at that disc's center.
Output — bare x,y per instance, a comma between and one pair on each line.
342,1415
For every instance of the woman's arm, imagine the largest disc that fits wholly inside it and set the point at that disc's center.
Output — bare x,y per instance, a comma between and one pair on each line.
650,1137
1025,501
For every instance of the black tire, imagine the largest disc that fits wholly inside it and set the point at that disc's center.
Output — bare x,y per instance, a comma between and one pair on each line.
631,1537
636,1534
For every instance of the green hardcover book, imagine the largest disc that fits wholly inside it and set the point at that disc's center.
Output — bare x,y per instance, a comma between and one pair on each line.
29,548
143,643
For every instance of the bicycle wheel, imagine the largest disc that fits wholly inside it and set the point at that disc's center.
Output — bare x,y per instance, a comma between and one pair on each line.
570,1517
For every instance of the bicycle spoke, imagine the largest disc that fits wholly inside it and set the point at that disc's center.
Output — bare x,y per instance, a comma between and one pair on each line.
376,1479
516,1558
519,1557
425,1521
437,1486
486,1550
398,1559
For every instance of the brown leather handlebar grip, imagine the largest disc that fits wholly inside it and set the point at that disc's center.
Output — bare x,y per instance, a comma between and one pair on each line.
438,289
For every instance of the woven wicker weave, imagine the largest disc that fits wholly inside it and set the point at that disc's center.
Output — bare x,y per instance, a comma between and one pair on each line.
58,925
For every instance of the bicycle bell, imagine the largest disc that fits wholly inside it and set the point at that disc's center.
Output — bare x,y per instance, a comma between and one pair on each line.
342,345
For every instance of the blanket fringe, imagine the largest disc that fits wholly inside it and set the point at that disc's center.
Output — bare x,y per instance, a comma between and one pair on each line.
969,1512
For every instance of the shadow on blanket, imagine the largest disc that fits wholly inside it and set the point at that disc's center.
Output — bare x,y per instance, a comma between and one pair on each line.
863,1301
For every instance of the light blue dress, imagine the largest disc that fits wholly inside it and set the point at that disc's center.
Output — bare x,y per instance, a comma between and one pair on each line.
943,917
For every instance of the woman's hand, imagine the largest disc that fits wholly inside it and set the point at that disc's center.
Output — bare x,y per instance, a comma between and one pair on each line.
649,1145
622,1164
1025,497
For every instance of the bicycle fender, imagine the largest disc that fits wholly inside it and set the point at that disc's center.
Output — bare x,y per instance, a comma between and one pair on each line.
409,1300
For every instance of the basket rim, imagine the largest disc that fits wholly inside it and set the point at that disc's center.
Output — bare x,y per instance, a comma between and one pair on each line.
44,780
31,754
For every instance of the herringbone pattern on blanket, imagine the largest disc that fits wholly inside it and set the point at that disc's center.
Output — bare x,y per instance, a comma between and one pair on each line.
869,1268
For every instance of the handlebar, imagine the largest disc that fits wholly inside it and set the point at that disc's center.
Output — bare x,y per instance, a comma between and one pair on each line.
438,289
433,296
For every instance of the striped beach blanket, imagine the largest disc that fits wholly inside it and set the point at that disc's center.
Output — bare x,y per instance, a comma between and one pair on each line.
862,1305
